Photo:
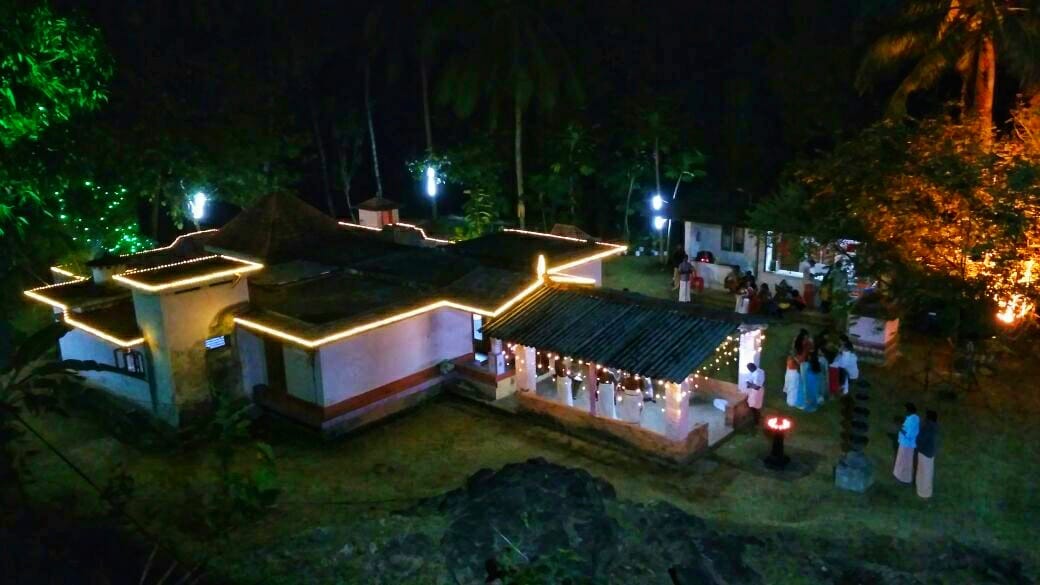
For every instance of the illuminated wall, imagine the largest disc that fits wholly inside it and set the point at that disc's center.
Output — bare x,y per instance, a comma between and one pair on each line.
175,324
381,356
593,270
80,345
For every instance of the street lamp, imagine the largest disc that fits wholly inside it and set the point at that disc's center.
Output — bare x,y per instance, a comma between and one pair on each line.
197,207
659,222
656,202
431,188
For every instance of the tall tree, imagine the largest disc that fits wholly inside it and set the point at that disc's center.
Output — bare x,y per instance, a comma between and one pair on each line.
51,67
965,36
509,58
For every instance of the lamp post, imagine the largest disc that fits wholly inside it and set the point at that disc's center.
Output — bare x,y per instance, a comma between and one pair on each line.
675,193
431,188
658,221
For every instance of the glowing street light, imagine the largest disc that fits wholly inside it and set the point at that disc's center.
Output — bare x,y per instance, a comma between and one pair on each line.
659,222
656,202
431,182
197,207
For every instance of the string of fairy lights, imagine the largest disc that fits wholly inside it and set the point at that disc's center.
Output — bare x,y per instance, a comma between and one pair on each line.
726,354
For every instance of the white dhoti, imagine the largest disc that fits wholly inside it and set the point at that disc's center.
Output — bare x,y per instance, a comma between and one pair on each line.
791,381
904,467
925,473
684,291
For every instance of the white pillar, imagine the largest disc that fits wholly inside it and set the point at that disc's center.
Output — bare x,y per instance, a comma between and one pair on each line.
526,364
563,390
750,353
606,405
631,407
677,410
591,386
496,358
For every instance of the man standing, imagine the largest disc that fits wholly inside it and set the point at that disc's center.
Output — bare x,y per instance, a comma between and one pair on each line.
674,260
926,443
904,467
755,390
808,283
685,272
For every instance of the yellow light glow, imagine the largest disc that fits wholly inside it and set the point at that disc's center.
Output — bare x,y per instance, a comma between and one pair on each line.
421,231
541,266
1018,306
571,279
66,273
247,267
171,245
358,225
615,249
102,334
312,343
34,293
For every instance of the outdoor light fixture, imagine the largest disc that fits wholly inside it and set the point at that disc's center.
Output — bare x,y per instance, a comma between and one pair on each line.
197,205
659,222
778,426
656,202
431,182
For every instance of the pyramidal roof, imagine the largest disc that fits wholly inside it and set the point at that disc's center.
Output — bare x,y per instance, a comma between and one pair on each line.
278,228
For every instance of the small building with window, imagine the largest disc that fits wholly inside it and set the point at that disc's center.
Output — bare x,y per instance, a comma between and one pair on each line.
715,230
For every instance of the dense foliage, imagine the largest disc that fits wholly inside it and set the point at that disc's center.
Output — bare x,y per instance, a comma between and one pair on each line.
938,215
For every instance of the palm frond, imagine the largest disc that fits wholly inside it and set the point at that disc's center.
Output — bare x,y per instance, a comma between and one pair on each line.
925,73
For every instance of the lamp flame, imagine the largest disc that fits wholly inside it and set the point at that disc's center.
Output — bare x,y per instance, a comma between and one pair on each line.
778,423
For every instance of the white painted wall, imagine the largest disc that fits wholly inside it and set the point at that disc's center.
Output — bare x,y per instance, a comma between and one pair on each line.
251,356
387,354
369,218
593,269
302,378
175,325
80,345
702,236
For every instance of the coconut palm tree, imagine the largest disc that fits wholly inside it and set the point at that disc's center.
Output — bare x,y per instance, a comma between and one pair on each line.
508,58
965,36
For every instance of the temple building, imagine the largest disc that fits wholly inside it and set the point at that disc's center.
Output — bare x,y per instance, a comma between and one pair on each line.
336,325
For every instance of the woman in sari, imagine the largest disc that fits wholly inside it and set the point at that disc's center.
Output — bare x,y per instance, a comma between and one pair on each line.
812,379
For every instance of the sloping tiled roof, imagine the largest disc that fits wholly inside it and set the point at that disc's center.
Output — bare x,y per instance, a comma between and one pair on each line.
378,204
650,337
116,320
278,228
519,251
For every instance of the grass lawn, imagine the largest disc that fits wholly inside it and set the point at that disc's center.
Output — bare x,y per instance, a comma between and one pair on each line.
985,470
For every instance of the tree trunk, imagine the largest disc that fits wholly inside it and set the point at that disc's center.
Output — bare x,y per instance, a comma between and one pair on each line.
628,203
371,127
426,102
424,76
521,211
156,202
985,79
346,177
319,142
675,193
657,177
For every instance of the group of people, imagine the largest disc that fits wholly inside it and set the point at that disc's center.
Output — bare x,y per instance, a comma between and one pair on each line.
922,438
816,368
